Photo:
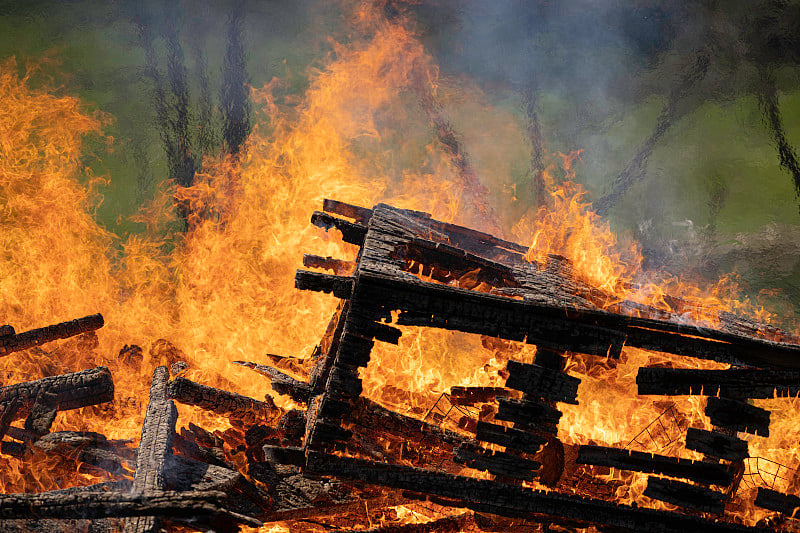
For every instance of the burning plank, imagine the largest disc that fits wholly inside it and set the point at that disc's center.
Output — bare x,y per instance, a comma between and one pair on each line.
733,383
155,447
738,416
506,500
716,444
228,404
95,503
12,342
699,471
67,391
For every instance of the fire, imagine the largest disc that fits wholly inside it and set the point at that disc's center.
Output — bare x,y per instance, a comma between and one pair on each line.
223,290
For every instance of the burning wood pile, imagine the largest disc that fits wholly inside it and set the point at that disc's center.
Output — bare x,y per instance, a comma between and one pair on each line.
338,459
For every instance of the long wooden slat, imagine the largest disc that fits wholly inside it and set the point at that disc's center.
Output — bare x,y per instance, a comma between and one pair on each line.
506,500
155,447
35,337
225,403
71,391
733,383
699,471
101,504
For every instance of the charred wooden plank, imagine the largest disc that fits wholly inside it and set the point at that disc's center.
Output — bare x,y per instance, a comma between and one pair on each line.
685,495
699,471
354,350
496,462
476,395
9,412
506,500
529,414
369,414
370,329
351,233
43,412
281,383
738,416
787,504
509,437
101,504
339,286
542,382
35,337
155,446
733,383
448,524
78,389
227,404
88,448
716,444
360,214
338,266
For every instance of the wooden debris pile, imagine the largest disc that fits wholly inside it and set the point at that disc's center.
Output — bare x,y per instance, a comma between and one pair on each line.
346,462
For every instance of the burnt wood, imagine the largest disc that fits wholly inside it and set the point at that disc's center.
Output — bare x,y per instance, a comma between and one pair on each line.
14,342
716,444
733,383
43,412
448,524
360,214
338,266
499,498
476,395
699,471
339,286
496,462
685,495
529,414
512,438
97,503
228,404
738,416
89,448
542,382
281,383
71,391
351,233
773,500
155,447
9,411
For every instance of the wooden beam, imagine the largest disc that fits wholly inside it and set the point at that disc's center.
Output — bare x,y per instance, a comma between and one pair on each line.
10,343
228,404
155,447
733,383
699,471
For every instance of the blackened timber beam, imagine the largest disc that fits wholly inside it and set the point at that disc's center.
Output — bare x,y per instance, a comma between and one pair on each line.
496,462
738,416
699,471
542,382
359,214
499,498
733,383
228,404
685,495
529,414
773,500
91,504
155,447
71,391
476,395
35,337
339,286
338,266
509,437
351,233
448,524
716,444
281,383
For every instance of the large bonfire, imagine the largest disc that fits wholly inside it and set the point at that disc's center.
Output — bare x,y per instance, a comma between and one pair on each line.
222,289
